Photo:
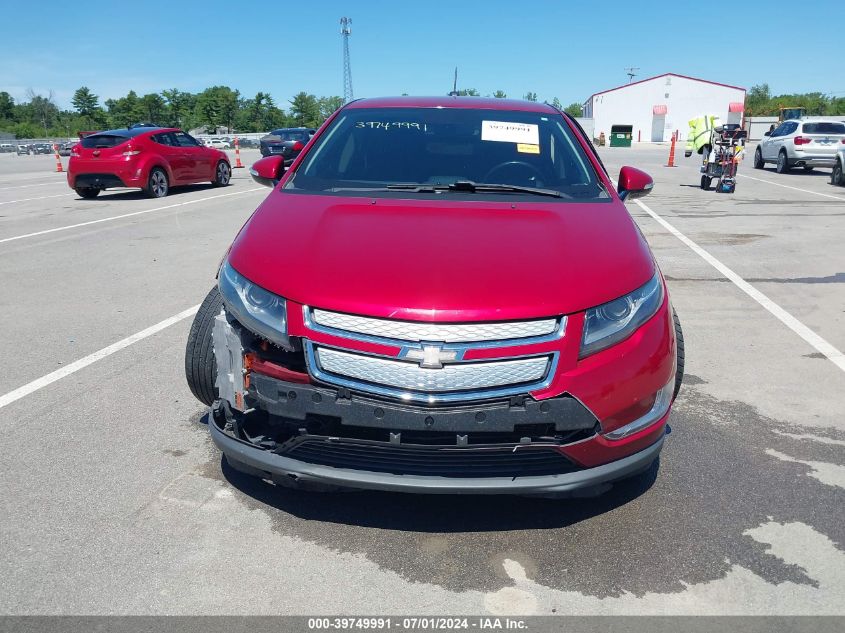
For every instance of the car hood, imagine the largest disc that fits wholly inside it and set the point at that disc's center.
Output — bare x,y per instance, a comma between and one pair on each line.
442,260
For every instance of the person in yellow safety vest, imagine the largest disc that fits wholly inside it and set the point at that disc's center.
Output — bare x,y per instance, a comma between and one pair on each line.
700,129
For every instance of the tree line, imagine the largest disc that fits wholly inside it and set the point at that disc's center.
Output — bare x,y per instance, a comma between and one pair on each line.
217,107
213,108
760,102
573,109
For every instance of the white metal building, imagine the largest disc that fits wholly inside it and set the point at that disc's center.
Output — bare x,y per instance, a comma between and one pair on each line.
656,107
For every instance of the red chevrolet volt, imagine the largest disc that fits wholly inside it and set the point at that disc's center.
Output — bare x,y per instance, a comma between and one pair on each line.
440,295
149,158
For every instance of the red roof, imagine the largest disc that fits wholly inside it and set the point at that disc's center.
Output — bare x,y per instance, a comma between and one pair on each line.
704,81
481,103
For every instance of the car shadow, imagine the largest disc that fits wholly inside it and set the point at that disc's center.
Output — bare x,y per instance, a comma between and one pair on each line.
798,171
437,513
137,194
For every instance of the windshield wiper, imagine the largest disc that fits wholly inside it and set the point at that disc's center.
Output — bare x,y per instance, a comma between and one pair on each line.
415,187
484,187
467,186
400,186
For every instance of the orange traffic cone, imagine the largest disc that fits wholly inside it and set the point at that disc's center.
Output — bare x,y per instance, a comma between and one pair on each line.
238,163
58,158
671,162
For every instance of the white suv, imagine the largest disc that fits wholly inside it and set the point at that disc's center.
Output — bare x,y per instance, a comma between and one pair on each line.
801,143
217,143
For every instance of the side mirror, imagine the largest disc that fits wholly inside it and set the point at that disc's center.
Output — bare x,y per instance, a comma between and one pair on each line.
633,183
268,171
767,133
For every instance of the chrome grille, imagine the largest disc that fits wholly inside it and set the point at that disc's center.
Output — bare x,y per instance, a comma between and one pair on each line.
416,331
410,376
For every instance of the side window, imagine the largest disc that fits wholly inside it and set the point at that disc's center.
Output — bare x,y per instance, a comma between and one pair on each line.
183,140
163,139
791,126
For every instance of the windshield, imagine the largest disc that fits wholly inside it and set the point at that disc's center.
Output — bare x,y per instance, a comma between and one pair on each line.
435,148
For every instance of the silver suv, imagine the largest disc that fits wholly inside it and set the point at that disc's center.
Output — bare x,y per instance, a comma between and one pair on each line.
801,143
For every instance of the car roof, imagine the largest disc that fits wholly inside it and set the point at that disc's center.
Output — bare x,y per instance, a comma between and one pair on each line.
135,131
477,103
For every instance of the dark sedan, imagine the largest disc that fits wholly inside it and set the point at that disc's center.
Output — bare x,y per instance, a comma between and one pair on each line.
287,142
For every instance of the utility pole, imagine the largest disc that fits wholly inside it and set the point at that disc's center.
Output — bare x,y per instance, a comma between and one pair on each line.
345,32
630,72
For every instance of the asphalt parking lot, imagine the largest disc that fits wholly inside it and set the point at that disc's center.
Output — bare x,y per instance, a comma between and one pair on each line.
115,500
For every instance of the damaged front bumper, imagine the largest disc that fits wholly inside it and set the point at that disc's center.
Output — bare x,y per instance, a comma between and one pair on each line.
283,427
282,467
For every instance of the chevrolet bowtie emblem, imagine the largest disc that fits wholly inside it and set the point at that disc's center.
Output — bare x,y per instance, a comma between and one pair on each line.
432,356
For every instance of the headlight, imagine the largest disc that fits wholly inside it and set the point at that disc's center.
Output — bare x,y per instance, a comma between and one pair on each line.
616,320
257,309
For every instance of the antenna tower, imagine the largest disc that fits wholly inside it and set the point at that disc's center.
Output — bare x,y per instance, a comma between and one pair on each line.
345,32
630,71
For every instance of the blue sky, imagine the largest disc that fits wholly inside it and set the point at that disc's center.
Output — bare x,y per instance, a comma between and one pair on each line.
557,49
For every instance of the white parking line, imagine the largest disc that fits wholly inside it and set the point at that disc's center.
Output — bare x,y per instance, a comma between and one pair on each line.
67,370
61,195
777,184
126,215
42,184
820,344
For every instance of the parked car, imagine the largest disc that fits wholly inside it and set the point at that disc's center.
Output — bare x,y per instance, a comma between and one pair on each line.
247,143
836,176
217,143
42,148
6,148
65,149
152,159
287,142
440,295
800,143
24,150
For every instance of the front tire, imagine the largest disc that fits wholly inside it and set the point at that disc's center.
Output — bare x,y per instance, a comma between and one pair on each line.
783,163
157,185
87,192
679,354
222,174
759,163
836,174
200,364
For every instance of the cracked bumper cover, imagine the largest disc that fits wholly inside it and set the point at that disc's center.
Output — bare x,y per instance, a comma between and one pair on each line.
246,457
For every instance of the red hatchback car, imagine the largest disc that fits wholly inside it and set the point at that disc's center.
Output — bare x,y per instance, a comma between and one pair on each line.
440,295
149,158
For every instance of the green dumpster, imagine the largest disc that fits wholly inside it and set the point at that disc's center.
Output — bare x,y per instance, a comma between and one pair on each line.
620,135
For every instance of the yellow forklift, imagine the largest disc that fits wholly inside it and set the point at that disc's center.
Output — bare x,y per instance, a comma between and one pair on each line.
787,114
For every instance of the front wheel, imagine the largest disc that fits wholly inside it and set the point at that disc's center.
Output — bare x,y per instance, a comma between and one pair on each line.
836,174
87,192
200,364
783,163
679,354
222,174
157,185
759,163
